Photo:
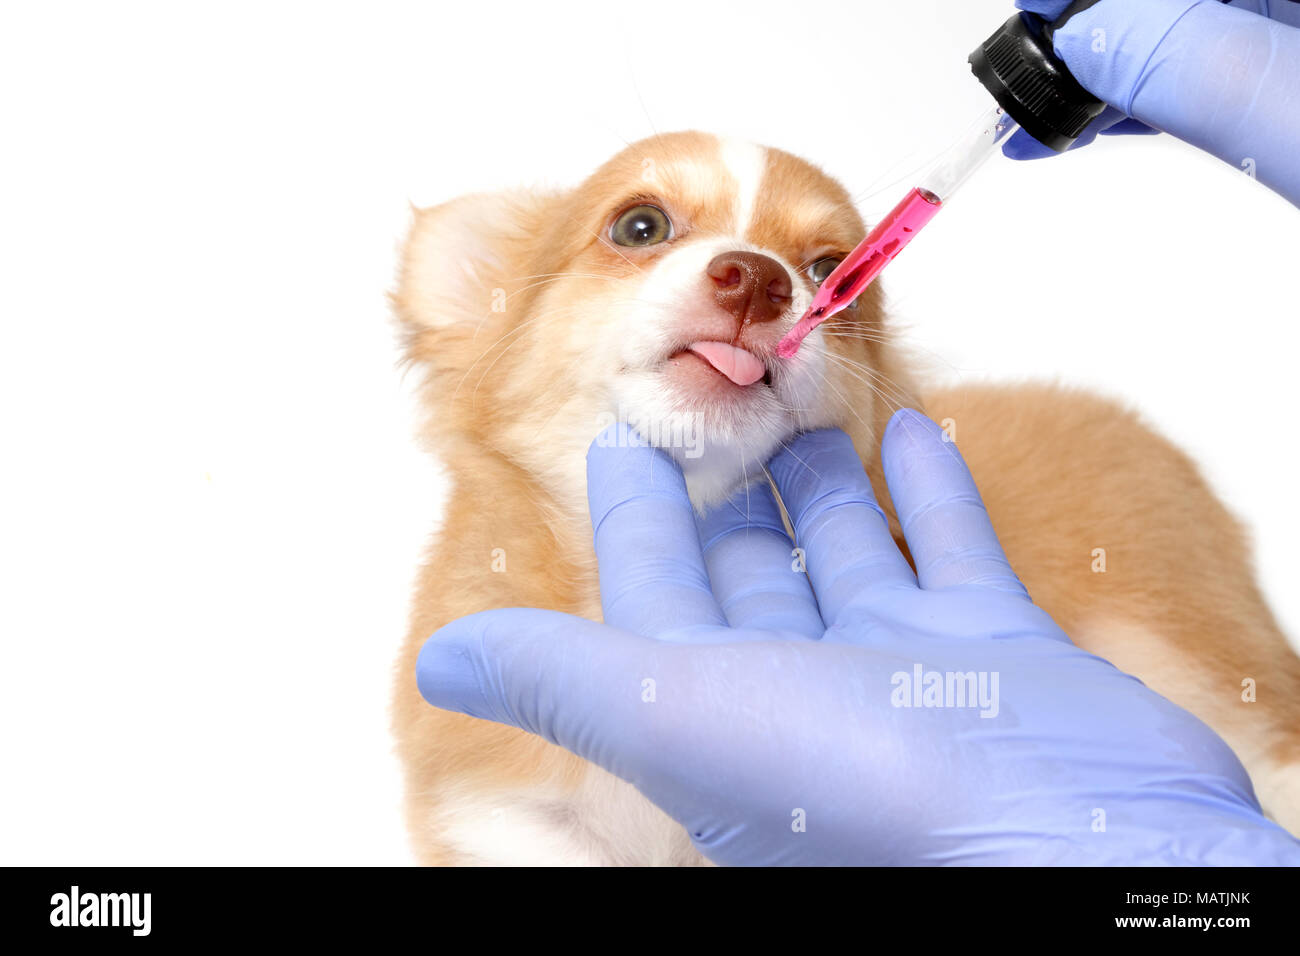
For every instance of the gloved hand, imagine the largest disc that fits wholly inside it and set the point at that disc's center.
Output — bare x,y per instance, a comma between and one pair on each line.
1223,77
776,714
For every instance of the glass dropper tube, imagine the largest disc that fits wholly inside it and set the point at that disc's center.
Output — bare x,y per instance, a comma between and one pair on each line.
959,161
891,235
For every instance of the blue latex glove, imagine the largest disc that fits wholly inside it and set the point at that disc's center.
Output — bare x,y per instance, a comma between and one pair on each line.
768,722
1223,77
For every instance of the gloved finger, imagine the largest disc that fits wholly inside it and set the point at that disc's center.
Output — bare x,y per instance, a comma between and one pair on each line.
758,575
653,714
1049,10
1283,11
1128,126
1023,146
652,574
943,517
578,684
843,532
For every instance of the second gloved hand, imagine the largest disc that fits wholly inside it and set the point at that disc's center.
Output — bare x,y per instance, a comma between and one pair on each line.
1223,77
858,713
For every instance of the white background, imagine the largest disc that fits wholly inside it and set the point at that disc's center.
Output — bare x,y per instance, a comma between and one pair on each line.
212,508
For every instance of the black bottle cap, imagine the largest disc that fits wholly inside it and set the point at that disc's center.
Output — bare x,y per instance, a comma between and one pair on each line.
1018,66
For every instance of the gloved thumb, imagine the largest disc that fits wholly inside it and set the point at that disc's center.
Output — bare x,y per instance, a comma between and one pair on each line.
1111,122
574,682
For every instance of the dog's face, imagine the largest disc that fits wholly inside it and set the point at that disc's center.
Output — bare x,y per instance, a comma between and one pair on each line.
655,293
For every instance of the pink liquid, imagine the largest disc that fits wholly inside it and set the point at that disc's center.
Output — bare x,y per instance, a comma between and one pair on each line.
863,264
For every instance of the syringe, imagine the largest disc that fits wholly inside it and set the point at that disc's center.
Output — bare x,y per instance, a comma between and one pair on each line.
1032,88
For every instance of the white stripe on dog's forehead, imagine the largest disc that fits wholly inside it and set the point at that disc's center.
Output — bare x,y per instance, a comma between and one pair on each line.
746,163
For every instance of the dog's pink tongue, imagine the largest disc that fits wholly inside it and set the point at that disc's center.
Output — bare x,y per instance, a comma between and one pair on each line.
739,365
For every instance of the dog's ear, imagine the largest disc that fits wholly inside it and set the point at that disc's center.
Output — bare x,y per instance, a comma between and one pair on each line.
460,261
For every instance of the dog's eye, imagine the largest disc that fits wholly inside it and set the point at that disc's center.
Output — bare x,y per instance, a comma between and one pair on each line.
642,226
822,268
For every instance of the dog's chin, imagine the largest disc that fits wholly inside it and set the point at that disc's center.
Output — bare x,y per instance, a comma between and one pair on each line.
720,442
721,472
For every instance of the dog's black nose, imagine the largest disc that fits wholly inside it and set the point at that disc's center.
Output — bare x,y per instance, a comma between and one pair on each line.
751,286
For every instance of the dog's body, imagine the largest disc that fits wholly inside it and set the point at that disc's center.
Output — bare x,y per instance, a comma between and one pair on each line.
538,317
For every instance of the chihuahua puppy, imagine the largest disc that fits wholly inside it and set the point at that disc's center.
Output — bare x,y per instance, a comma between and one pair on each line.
655,293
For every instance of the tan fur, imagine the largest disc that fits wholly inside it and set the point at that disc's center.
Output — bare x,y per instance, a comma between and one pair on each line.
511,410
